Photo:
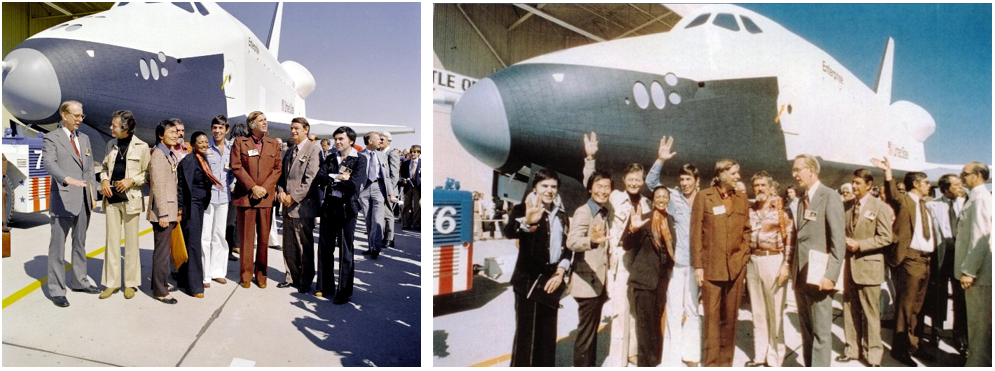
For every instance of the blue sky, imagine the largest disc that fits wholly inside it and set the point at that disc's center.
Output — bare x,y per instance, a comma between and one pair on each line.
365,58
943,61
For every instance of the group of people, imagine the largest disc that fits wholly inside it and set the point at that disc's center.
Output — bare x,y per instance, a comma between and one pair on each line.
193,183
682,258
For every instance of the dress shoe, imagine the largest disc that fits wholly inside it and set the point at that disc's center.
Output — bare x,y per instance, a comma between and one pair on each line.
276,247
283,285
754,364
318,294
391,243
367,252
167,300
129,292
374,255
904,359
221,281
304,290
245,285
340,301
843,358
171,288
923,354
232,258
207,285
108,292
60,301
261,285
199,296
89,290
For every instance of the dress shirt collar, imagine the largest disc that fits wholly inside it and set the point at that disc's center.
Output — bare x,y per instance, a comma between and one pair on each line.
914,196
863,200
595,208
811,190
66,130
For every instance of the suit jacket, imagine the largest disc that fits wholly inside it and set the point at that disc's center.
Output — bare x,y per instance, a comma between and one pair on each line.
263,169
349,189
383,171
393,169
533,248
298,180
414,180
720,242
60,161
590,267
137,170
192,182
163,195
904,224
872,232
973,254
943,227
824,232
649,267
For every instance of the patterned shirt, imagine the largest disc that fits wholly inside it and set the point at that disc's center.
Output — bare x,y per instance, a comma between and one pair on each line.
772,228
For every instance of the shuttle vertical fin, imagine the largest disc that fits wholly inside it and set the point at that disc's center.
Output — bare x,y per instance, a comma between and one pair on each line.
273,44
883,85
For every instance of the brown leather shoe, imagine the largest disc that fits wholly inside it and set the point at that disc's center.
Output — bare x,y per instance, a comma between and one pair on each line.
245,285
261,285
221,281
318,294
207,285
199,296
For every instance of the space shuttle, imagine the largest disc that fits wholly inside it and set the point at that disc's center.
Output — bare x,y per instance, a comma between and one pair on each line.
191,61
725,82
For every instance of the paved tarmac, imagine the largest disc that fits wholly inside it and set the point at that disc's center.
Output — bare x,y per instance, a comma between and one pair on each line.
230,326
476,328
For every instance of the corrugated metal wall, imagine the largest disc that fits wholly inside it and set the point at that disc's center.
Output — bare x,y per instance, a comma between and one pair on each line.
15,25
461,49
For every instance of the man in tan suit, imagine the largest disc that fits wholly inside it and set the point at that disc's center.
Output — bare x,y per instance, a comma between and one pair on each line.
588,239
299,196
257,165
720,249
868,231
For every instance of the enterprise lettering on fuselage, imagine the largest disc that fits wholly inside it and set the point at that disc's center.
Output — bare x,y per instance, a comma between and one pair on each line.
829,71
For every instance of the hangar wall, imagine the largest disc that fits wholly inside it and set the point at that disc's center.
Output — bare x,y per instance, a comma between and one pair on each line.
461,49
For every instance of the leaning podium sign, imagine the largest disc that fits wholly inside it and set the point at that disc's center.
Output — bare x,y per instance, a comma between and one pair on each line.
452,241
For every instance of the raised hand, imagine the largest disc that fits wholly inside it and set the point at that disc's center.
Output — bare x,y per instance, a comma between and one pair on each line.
636,220
599,231
883,165
533,209
591,145
664,153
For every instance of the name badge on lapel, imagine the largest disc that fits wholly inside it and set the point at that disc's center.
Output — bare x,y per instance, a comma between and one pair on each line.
253,152
87,152
174,167
870,215
719,210
810,215
301,159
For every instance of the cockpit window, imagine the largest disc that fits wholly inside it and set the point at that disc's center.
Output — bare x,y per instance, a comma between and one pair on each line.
184,6
727,21
749,25
699,21
201,9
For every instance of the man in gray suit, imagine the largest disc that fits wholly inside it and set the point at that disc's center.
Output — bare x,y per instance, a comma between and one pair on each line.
973,263
820,229
393,161
68,159
374,194
296,191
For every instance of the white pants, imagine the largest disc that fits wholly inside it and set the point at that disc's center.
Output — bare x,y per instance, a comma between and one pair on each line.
274,236
767,306
622,347
213,245
682,342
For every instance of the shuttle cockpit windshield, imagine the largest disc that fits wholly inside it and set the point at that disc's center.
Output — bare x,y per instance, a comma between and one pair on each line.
726,21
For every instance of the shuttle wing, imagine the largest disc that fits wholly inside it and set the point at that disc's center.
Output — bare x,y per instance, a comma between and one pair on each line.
280,121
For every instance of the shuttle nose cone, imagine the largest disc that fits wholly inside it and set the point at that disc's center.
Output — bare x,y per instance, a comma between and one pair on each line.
480,124
30,86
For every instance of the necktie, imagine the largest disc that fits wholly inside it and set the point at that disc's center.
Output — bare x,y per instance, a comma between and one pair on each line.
374,167
854,216
72,140
953,217
924,216
294,155
805,202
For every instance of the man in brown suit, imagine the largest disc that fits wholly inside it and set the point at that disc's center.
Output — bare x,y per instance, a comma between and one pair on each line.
909,258
868,231
299,196
720,249
257,164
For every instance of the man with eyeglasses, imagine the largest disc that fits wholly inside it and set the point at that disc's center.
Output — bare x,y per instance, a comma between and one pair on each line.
909,259
946,212
393,166
411,178
973,263
68,159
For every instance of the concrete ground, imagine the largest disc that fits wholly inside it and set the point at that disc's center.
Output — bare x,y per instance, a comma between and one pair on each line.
230,326
476,328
